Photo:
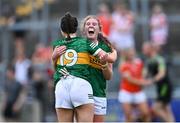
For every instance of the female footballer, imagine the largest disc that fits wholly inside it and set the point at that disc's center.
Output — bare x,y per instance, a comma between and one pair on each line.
71,62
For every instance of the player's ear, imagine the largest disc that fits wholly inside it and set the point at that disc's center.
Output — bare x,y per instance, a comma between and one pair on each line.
62,33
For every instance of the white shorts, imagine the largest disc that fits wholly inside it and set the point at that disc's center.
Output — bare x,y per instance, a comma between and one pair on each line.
72,92
128,97
100,105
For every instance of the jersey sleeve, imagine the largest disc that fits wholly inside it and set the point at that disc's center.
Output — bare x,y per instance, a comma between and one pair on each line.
107,48
57,43
161,64
93,48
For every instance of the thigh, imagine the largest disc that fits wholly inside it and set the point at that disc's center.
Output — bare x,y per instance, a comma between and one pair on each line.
139,97
85,113
157,105
99,118
81,92
62,98
170,115
64,115
143,107
127,107
125,97
100,105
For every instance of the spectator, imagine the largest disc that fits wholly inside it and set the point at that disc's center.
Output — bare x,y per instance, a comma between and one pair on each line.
13,96
159,26
40,76
121,34
104,17
22,65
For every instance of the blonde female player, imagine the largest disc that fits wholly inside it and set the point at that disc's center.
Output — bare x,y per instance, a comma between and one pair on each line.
72,72
91,28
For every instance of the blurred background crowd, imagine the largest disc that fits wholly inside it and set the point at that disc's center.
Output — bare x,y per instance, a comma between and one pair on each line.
27,28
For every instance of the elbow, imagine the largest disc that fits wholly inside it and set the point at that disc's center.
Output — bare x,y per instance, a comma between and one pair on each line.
162,76
112,59
113,56
109,77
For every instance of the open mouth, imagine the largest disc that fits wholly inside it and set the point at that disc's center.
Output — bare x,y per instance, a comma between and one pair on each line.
91,31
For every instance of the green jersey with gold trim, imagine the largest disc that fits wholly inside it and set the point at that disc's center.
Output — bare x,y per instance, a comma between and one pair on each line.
76,60
97,80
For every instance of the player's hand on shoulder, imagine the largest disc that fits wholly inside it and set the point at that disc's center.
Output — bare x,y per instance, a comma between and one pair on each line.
60,50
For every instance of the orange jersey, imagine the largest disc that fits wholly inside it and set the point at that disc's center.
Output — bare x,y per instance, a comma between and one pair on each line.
135,70
106,24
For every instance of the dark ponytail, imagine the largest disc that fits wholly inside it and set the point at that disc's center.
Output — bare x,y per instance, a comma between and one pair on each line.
69,24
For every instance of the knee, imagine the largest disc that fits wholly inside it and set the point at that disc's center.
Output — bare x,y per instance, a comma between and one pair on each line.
129,117
146,115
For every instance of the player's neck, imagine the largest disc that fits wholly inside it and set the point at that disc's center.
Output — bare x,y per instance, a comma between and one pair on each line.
95,41
72,35
153,55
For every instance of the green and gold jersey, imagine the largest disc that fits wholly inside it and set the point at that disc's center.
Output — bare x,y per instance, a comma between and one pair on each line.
97,80
76,60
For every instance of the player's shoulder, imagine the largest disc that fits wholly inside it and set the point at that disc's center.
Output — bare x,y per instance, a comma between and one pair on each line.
124,64
57,42
139,62
105,46
160,58
81,38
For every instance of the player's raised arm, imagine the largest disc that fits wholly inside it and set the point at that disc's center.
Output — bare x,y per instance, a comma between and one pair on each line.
57,52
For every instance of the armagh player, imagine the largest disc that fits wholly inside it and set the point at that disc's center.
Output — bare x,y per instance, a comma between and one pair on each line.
157,69
131,93
91,29
72,71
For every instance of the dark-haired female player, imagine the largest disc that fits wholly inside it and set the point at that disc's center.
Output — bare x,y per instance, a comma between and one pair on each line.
73,90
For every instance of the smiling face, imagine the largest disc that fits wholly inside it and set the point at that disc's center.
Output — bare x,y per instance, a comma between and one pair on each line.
91,28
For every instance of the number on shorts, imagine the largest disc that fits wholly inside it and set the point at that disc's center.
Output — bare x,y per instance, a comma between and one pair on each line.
70,55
